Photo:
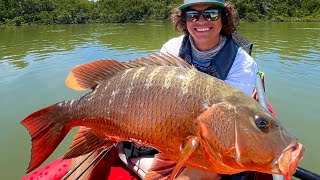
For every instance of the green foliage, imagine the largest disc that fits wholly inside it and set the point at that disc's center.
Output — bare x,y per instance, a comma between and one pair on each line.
18,20
121,11
45,17
276,10
17,12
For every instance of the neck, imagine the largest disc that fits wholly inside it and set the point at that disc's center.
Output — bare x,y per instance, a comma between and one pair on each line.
206,45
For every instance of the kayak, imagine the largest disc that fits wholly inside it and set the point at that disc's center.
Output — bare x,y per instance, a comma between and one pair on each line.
113,167
54,170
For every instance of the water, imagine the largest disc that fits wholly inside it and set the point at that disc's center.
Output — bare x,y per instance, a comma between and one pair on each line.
35,60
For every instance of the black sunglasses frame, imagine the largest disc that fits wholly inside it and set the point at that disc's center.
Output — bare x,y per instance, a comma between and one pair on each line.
194,15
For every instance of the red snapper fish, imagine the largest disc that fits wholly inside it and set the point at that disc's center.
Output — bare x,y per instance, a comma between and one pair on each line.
192,118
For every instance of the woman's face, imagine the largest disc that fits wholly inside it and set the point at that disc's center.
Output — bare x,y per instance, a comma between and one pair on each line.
206,34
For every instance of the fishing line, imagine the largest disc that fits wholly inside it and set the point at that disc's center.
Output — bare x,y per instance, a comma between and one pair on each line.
96,159
77,166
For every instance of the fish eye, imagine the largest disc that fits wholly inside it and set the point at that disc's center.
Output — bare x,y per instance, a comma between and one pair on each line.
262,123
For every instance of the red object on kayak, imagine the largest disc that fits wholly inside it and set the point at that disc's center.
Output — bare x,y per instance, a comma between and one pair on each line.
110,168
53,171
272,110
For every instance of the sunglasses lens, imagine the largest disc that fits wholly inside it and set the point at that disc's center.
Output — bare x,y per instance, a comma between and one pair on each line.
192,16
211,15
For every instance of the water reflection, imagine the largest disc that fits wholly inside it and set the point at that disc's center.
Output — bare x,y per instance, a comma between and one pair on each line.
43,41
292,41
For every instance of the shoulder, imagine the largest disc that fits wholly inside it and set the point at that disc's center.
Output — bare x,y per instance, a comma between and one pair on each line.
243,72
244,62
173,46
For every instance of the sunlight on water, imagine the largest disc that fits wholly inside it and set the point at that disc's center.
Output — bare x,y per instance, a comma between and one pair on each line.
35,60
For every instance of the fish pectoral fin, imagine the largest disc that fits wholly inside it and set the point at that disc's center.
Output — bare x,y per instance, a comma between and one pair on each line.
161,168
191,145
86,141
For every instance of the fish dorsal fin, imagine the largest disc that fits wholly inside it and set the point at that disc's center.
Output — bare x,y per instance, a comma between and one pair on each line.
161,59
88,76
86,141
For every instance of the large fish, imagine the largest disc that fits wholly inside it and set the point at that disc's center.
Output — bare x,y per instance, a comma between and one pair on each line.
161,101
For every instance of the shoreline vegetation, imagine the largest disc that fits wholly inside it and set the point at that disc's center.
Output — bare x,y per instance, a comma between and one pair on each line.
28,12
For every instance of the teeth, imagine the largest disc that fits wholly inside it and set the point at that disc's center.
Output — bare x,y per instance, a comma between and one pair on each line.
202,29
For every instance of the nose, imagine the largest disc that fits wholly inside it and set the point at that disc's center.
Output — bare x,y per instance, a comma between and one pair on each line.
201,19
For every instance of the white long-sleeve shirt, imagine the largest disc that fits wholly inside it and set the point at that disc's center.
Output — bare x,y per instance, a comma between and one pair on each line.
242,74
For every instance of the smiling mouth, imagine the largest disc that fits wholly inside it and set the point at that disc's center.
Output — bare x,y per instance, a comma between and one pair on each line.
202,29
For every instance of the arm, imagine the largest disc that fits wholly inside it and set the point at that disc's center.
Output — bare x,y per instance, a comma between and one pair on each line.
172,46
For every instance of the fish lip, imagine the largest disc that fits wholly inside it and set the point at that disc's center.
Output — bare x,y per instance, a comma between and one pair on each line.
288,160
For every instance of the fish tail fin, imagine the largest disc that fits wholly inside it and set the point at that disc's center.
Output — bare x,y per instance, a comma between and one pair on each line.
47,130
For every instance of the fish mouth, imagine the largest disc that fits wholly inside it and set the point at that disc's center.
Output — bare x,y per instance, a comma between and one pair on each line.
289,159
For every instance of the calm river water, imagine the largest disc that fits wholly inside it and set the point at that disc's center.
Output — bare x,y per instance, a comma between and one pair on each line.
35,60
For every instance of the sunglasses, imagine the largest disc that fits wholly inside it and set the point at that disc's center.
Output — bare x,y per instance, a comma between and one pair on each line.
209,15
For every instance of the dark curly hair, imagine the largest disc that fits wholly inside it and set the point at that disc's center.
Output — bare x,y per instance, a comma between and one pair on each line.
230,20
